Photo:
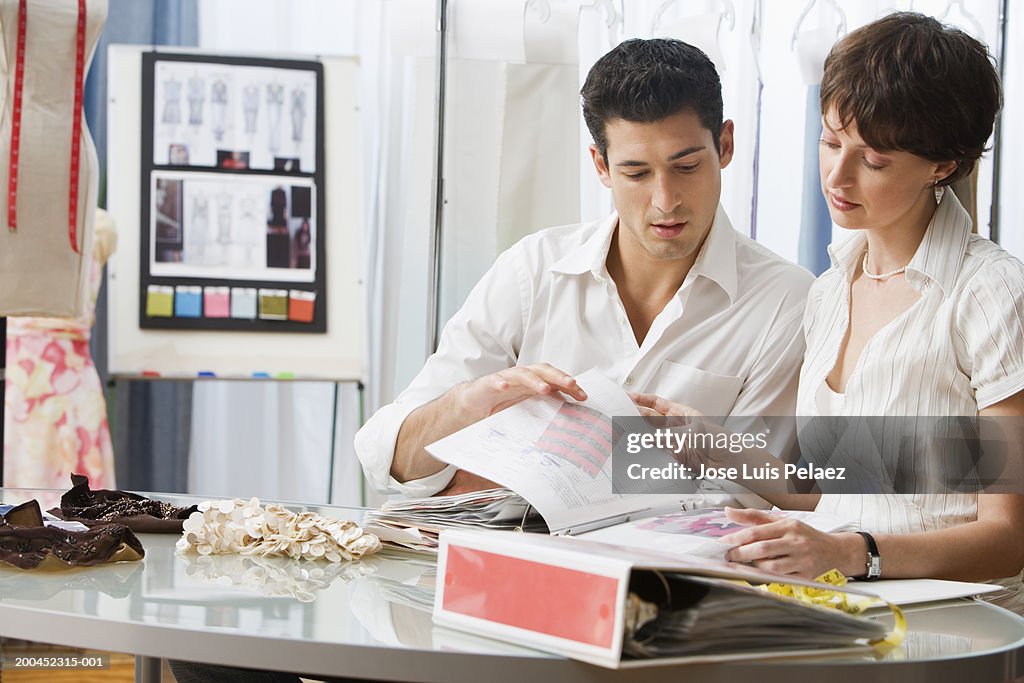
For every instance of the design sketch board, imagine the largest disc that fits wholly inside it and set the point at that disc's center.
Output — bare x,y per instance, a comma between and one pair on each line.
232,168
238,211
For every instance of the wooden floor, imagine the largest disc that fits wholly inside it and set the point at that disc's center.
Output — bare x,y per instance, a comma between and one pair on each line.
122,667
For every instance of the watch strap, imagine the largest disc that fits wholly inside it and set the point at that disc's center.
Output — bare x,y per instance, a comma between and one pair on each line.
873,565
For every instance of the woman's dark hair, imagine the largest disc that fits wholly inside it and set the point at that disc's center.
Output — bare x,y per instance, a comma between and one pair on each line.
648,80
912,84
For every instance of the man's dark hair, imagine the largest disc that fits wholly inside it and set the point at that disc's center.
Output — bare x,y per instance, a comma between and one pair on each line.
648,80
914,85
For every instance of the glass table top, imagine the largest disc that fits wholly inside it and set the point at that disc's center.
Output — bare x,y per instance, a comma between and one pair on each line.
384,601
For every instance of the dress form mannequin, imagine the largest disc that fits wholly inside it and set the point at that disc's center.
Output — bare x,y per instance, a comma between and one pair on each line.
56,416
43,269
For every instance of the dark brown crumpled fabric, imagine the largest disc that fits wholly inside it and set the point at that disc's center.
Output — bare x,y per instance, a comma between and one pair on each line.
26,543
140,514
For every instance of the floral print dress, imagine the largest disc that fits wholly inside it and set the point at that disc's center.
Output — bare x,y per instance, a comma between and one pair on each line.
55,417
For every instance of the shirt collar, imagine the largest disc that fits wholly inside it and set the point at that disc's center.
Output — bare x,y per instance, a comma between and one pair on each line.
716,260
592,254
945,242
937,258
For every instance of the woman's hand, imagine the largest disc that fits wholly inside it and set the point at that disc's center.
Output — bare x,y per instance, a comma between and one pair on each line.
656,406
788,546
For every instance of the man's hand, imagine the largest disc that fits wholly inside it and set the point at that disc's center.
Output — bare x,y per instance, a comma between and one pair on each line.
493,393
467,403
465,481
683,418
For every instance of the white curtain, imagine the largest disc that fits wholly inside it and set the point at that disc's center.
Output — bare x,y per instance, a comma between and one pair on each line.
782,151
274,439
512,136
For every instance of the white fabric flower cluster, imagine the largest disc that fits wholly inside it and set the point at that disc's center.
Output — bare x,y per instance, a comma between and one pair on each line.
273,576
247,528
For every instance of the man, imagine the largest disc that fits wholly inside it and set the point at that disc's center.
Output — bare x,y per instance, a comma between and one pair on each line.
664,297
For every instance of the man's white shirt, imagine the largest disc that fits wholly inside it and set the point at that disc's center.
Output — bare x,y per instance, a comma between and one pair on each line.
728,343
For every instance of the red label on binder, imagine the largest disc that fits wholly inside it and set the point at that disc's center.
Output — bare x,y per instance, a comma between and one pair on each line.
555,601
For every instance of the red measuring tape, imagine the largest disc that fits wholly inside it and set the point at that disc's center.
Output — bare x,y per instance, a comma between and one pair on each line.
19,77
76,132
76,128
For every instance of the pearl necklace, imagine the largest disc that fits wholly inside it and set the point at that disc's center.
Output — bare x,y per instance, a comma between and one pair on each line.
880,276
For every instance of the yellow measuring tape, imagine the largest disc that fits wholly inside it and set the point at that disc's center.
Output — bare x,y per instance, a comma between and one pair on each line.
847,602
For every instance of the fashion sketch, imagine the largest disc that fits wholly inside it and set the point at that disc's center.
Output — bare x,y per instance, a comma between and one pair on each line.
250,107
196,98
172,102
275,102
298,113
219,106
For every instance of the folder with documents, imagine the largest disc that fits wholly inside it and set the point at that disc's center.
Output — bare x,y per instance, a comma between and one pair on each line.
622,608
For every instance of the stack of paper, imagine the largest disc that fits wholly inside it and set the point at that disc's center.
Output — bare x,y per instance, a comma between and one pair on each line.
554,459
698,532
414,523
710,616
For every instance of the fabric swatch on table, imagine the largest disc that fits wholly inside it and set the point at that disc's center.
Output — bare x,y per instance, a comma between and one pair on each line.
144,515
25,543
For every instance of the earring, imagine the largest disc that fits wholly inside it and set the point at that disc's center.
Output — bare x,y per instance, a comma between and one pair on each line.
940,190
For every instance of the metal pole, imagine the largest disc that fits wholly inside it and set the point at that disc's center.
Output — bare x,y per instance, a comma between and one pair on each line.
434,286
334,440
997,141
148,669
3,390
362,420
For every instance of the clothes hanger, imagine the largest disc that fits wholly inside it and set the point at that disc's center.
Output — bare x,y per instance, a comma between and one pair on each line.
611,15
755,46
755,35
542,8
971,20
840,23
727,13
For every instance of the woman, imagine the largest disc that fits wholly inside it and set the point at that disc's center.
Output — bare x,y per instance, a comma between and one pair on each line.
916,316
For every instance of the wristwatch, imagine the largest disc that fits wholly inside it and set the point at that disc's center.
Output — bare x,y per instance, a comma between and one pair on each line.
873,565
